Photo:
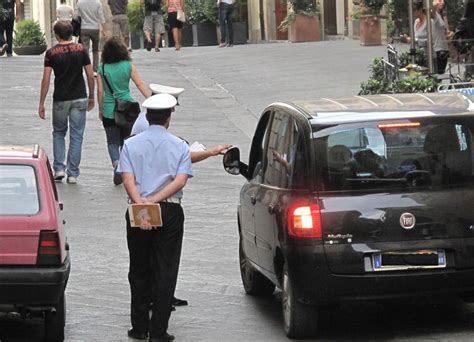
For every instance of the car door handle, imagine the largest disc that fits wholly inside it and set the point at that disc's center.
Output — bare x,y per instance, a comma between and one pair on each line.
253,199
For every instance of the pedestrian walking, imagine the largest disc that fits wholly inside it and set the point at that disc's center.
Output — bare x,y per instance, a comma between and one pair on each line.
175,25
155,167
64,11
116,71
153,23
70,102
118,8
440,34
9,13
92,26
226,9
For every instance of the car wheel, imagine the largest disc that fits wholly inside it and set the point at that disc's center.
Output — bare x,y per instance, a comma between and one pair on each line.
300,321
254,282
54,322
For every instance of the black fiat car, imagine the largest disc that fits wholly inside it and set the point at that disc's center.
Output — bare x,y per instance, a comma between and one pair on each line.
368,197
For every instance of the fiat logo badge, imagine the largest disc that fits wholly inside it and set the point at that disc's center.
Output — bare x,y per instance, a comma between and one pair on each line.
407,220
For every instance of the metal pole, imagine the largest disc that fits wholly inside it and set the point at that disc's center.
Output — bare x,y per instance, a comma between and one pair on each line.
412,31
429,48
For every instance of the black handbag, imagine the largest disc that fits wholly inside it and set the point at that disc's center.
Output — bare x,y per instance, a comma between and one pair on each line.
126,112
76,26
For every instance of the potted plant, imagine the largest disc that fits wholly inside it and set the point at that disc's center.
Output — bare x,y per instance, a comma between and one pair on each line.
136,17
29,39
202,15
302,21
370,29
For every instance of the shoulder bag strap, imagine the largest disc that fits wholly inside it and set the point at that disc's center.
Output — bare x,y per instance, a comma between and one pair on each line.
106,80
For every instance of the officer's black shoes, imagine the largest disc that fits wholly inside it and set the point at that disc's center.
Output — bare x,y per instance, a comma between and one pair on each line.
179,302
132,333
162,338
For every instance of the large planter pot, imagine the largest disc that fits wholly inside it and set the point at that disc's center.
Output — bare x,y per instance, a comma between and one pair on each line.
240,32
204,34
304,29
136,41
30,50
186,38
355,28
370,30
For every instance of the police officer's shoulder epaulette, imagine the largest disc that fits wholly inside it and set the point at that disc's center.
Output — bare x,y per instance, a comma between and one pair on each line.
184,140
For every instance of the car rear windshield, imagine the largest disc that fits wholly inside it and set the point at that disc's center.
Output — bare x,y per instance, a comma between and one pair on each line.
430,152
18,190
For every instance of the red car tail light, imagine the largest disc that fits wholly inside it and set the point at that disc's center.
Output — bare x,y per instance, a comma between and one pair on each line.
49,251
400,125
304,221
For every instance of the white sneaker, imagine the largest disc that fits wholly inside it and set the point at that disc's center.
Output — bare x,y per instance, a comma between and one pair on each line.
71,180
59,175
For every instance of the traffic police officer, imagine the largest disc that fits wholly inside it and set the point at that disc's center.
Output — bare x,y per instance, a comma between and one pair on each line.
155,166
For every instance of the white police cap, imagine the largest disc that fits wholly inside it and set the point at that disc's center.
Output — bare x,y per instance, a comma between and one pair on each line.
160,101
162,89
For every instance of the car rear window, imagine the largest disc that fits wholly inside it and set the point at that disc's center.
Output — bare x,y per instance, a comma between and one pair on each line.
18,190
429,152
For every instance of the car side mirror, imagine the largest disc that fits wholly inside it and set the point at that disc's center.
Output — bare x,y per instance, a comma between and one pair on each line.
61,206
231,161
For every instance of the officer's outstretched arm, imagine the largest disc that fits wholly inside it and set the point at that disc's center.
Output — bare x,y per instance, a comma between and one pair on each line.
197,156
170,189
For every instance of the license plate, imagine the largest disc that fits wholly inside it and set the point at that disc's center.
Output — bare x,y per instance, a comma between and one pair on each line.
411,260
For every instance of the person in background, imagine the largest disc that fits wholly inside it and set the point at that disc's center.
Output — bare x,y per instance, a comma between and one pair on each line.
92,26
420,28
70,101
226,8
155,167
8,8
153,23
118,68
64,11
440,34
176,26
463,38
118,8
439,31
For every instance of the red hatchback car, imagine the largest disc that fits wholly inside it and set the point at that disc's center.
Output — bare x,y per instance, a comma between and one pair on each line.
34,254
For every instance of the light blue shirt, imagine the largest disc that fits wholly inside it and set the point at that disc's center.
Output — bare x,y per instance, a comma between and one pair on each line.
155,157
141,124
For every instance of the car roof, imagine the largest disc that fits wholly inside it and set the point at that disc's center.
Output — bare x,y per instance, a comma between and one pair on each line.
20,151
383,107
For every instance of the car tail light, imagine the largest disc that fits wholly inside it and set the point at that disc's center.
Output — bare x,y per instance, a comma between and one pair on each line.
304,221
49,251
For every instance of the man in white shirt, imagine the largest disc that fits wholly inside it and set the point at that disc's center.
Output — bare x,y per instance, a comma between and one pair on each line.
92,25
226,8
